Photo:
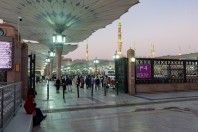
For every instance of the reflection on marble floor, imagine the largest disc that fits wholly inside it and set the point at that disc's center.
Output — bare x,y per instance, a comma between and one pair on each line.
164,112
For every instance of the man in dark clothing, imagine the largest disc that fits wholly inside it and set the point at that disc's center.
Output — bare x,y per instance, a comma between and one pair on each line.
78,82
87,82
102,81
69,84
97,83
64,83
58,84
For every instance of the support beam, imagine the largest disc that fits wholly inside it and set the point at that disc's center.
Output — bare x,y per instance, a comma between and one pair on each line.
59,49
131,71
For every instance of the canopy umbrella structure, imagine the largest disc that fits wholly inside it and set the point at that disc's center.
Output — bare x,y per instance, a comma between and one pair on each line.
41,52
76,19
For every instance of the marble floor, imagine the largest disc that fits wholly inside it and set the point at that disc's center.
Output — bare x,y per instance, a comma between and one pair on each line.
161,112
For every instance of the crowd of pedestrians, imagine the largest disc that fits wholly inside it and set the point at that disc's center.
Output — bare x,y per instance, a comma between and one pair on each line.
89,81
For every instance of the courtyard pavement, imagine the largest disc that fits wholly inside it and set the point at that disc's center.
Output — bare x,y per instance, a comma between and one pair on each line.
143,112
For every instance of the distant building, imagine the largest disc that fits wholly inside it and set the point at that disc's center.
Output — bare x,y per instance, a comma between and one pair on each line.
191,56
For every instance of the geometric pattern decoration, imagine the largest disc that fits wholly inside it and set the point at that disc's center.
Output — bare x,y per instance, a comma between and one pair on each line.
77,19
166,70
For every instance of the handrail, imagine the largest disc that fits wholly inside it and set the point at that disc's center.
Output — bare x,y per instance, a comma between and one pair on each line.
10,101
7,84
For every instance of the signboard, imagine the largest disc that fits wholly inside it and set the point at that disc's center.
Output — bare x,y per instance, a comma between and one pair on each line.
143,71
5,55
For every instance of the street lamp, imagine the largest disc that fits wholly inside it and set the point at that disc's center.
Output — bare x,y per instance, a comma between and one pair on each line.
116,56
96,61
133,59
59,40
47,59
19,19
51,54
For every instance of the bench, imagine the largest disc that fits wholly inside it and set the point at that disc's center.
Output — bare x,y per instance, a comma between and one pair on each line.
21,122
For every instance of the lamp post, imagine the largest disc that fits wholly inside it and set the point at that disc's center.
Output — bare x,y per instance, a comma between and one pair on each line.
59,41
51,55
19,20
116,57
47,60
96,61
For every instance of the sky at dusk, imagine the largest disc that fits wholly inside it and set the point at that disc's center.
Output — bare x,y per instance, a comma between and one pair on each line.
168,24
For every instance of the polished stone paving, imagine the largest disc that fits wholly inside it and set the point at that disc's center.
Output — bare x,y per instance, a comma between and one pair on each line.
158,112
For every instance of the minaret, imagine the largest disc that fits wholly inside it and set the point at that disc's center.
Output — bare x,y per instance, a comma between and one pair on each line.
87,58
119,51
134,48
152,51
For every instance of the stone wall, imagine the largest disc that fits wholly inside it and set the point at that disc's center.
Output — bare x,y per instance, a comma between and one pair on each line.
140,88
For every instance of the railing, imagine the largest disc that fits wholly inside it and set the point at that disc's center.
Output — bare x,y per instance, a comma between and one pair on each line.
4,83
10,101
152,71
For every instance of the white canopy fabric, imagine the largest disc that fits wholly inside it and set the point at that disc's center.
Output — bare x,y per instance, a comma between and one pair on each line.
76,19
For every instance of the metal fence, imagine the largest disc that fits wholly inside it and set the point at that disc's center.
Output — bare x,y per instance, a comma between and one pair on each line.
152,71
10,101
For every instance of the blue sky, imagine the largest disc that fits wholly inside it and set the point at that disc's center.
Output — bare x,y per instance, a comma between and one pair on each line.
168,24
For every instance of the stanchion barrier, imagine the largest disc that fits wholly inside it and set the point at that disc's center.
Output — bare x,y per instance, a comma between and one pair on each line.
92,90
63,93
78,91
105,91
47,90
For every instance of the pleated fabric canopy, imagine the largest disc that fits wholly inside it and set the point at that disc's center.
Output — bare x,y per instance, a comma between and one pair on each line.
76,19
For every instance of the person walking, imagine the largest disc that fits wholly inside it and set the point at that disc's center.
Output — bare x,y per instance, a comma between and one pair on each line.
64,83
102,81
78,81
97,83
87,81
69,84
105,82
58,85
92,82
82,82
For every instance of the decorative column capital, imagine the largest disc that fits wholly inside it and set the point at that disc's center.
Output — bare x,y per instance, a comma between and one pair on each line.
59,46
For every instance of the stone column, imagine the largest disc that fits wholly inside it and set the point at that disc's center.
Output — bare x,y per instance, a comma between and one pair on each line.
96,69
51,67
47,70
24,69
131,72
59,49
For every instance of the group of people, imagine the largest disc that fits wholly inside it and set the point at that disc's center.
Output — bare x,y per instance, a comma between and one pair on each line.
40,79
81,81
66,83
91,81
